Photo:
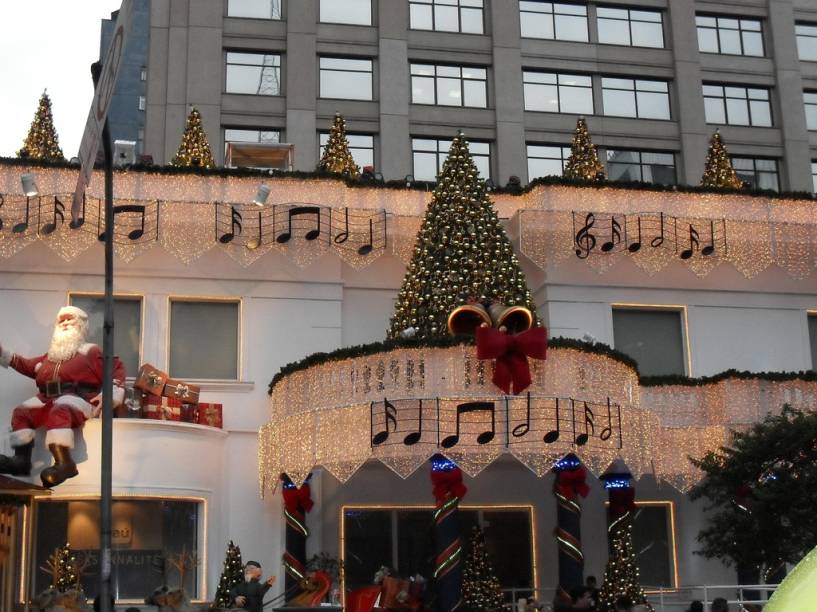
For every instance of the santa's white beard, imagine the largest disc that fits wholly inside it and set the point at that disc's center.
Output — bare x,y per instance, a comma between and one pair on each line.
65,343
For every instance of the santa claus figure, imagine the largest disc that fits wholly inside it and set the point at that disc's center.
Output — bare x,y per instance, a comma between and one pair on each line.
69,378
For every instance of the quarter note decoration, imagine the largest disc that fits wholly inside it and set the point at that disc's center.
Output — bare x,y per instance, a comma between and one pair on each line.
59,213
236,226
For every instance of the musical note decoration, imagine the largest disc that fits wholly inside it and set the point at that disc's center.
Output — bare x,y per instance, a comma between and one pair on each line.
358,236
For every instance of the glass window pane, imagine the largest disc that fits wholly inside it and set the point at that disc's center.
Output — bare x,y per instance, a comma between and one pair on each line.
483,164
807,43
475,94
577,100
469,72
659,174
650,16
256,9
346,85
536,25
618,103
753,44
471,20
655,558
254,80
768,180
368,542
422,69
614,13
648,35
414,549
653,105
714,111
626,157
705,21
652,86
811,116
446,18
758,94
544,167
422,144
421,17
707,40
730,41
761,113
570,9
611,83
448,92
613,32
750,24
812,319
570,27
357,12
713,90
476,148
623,172
539,77
190,354
652,337
240,135
127,332
544,98
766,165
726,23
508,544
422,90
449,71
425,166
737,112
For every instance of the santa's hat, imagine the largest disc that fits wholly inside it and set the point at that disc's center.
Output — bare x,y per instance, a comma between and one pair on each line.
72,310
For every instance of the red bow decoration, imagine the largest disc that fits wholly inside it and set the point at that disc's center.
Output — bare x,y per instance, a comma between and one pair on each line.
570,483
622,501
296,498
511,354
447,484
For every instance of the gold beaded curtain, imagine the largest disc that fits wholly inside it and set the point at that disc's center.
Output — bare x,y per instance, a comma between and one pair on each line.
461,255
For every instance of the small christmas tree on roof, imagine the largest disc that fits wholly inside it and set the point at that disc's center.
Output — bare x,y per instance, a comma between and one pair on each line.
194,150
336,155
583,162
42,141
621,574
231,575
462,254
718,170
481,590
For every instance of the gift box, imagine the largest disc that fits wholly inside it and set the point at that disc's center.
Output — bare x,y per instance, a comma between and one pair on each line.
211,414
150,380
131,407
181,391
162,408
190,413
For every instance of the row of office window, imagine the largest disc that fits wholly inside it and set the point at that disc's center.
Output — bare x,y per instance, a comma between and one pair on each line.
721,34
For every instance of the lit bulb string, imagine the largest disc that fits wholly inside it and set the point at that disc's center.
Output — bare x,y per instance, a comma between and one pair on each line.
618,521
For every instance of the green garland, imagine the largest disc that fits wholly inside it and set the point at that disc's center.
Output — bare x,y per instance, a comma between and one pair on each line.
686,381
400,184
364,350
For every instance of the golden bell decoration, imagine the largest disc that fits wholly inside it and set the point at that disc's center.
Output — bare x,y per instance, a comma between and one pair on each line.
511,319
467,318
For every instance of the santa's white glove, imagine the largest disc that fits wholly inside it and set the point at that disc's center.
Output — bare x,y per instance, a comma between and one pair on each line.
5,356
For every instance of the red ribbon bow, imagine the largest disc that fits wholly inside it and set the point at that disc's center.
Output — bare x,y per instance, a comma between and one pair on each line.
297,498
448,484
622,501
571,483
511,354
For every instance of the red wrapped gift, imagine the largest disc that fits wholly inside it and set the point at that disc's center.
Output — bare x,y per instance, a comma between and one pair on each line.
190,413
210,414
162,408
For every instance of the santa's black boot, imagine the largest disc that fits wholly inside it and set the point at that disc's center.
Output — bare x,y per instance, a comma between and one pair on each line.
18,464
63,468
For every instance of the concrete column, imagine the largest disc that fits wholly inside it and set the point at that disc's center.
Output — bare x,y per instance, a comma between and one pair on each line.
509,152
301,70
687,98
781,44
205,72
156,108
395,89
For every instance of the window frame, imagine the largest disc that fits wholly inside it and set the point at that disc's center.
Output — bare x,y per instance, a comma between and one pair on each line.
812,314
29,571
807,104
280,66
562,147
133,297
239,332
740,30
814,175
684,320
797,37
558,86
635,91
441,155
365,25
630,20
755,171
272,2
436,76
370,72
434,3
641,163
725,106
553,13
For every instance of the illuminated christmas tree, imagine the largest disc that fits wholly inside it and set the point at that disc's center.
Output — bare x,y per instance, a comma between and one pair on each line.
66,569
621,574
462,254
336,155
42,141
231,575
481,590
583,162
194,149
718,170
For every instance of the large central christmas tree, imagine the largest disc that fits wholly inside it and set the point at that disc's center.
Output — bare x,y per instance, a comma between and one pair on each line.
462,254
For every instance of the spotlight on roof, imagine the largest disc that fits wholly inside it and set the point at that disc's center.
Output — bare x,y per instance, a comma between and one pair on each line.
261,195
490,185
409,180
29,186
514,182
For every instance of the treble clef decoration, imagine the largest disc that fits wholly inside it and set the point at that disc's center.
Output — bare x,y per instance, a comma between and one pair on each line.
585,241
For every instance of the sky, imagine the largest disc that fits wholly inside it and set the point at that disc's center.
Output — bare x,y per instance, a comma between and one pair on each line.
48,44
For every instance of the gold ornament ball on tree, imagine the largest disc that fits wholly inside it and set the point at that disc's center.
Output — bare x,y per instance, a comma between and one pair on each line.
194,150
336,155
42,141
718,170
583,162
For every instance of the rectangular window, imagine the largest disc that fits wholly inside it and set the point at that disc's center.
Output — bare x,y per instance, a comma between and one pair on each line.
399,538
737,105
760,173
360,145
253,73
447,15
618,26
346,79
141,104
250,136
429,155
145,533
550,92
635,98
127,333
449,85
553,20
814,176
645,166
729,35
810,101
355,12
191,351
546,160
143,75
654,337
654,539
806,41
812,330
255,9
